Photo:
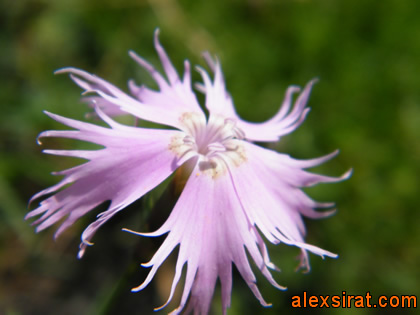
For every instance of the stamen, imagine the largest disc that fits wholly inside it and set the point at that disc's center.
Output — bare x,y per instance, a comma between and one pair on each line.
189,140
231,146
214,140
193,123
216,146
237,132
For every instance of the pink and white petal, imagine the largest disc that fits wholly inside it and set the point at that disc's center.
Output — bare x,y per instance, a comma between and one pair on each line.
273,202
94,133
291,170
284,122
218,238
112,96
219,102
107,107
132,162
164,59
174,94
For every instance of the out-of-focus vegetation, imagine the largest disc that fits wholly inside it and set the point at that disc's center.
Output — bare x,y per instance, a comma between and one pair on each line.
367,104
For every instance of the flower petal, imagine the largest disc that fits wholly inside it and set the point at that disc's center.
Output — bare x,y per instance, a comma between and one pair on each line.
165,106
132,162
219,102
209,224
175,95
268,185
107,107
111,95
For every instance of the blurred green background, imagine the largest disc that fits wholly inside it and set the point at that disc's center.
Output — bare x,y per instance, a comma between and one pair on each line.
367,104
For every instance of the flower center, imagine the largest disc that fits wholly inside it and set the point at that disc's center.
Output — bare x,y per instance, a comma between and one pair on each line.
217,143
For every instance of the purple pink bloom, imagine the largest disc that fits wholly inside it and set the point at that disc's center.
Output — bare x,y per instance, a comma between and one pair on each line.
237,193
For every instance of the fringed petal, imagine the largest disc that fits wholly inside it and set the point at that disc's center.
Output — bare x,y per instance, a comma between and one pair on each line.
174,98
174,95
219,102
210,226
132,162
268,186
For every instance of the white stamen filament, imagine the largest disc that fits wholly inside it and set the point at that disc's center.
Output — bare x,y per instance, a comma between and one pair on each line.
216,146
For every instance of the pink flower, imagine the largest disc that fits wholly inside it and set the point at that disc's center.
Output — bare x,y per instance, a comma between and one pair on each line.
237,191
